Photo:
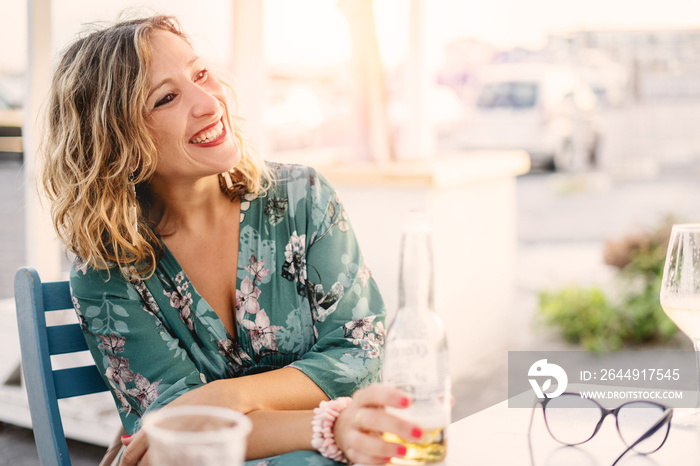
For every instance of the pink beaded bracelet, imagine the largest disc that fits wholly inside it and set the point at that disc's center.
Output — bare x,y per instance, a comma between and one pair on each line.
323,439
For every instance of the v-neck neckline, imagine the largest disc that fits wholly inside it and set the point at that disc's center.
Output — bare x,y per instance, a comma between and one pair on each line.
172,263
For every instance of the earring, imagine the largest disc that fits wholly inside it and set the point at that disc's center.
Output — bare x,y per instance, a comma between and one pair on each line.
133,210
227,178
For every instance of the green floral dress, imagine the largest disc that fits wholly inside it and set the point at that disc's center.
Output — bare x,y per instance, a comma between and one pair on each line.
304,298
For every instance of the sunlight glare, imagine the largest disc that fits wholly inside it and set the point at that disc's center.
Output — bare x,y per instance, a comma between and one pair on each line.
306,33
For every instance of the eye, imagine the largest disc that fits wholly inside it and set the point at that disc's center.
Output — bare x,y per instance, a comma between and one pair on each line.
201,75
167,99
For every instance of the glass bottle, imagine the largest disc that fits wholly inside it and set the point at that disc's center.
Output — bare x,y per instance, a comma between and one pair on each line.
416,355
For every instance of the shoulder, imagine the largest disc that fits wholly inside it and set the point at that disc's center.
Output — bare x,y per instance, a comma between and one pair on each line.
297,182
285,173
88,282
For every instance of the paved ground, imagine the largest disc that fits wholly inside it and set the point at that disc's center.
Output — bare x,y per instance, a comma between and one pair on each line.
17,449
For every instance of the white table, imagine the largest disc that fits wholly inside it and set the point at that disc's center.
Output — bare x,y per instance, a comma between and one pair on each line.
499,436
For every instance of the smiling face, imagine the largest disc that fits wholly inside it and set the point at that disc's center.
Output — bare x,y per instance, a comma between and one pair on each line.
189,114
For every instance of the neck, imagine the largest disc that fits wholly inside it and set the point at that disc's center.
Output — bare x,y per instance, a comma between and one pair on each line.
188,207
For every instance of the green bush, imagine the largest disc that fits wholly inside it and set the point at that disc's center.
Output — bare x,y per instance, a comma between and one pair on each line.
588,317
584,316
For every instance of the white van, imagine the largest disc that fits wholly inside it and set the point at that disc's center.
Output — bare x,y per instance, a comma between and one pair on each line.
544,109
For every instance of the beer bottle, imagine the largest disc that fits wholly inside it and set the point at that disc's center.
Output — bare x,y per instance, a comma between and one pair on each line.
416,355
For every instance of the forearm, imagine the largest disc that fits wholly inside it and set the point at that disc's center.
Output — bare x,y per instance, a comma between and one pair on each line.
357,429
278,432
281,389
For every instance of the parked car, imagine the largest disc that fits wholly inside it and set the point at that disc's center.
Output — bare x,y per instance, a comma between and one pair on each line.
544,109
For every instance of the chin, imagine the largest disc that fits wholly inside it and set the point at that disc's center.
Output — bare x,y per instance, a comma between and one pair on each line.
237,156
229,157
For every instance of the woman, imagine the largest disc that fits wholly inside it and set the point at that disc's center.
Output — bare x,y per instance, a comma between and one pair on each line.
203,276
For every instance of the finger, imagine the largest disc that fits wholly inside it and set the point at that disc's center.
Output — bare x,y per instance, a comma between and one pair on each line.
358,424
370,449
378,420
138,444
359,457
145,460
382,395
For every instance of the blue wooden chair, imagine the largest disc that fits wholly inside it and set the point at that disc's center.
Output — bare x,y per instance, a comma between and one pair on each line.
38,342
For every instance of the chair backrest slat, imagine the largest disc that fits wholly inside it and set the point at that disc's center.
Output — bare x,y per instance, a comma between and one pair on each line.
78,381
38,342
64,339
56,296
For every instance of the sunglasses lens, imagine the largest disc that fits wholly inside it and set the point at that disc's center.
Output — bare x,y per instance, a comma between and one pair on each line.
572,419
635,419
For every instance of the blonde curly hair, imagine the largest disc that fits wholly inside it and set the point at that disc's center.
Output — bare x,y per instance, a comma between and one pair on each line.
98,152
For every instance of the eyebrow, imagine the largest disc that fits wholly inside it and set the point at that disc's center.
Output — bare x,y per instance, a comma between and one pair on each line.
169,80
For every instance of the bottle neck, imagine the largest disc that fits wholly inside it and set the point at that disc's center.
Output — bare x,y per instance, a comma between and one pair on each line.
416,270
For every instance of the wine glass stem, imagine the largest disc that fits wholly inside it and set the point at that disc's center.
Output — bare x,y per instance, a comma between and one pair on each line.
696,344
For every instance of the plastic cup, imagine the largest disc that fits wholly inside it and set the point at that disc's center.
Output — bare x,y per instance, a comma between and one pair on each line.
196,435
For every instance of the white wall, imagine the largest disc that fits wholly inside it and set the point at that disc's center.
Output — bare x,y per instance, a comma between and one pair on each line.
475,246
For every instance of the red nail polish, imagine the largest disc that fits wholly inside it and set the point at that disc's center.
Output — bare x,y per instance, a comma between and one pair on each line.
401,450
124,437
416,433
404,402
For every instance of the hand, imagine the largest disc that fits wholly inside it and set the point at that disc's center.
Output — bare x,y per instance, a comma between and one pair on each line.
359,427
136,451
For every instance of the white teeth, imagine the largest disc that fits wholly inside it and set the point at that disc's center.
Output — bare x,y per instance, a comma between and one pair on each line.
209,135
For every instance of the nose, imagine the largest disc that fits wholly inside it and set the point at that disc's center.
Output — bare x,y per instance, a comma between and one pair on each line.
204,103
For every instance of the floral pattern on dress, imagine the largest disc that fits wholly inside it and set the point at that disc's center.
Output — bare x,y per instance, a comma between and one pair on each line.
84,326
231,350
364,274
294,268
262,334
275,208
181,299
145,392
297,458
366,334
247,299
123,401
324,303
148,303
79,265
304,298
257,268
342,218
245,204
112,343
119,372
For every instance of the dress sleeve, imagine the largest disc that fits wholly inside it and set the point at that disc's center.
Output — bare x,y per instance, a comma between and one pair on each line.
142,363
347,308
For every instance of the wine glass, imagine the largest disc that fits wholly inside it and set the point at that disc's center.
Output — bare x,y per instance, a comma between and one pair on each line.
680,296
